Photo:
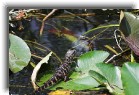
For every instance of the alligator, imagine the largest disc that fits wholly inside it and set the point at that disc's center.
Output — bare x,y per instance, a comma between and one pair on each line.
61,73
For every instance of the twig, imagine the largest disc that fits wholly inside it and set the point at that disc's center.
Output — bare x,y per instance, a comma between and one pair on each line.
49,24
135,11
36,56
111,49
68,16
95,36
111,58
117,40
45,48
40,49
43,21
116,56
32,64
36,69
20,86
84,14
77,16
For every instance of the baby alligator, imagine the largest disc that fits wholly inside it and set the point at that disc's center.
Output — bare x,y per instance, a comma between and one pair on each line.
62,72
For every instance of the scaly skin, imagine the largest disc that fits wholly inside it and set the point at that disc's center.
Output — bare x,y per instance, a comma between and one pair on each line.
61,73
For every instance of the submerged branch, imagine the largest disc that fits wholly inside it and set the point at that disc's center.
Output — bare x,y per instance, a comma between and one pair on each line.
45,18
47,49
36,56
95,36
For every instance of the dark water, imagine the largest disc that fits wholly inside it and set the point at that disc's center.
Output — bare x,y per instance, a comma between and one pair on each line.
20,82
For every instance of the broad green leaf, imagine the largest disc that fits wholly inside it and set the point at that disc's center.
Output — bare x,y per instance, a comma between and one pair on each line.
130,78
80,80
111,73
87,81
110,76
98,77
19,54
89,60
70,85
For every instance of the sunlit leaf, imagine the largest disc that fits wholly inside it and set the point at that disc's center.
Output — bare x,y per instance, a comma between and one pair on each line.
130,78
19,54
98,77
89,60
111,73
110,76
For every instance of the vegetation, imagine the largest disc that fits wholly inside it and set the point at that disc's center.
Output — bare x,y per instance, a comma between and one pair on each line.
94,69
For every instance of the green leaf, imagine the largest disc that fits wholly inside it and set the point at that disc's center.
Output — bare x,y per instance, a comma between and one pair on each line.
111,73
130,78
19,54
86,81
89,60
98,77
81,80
110,76
129,23
129,26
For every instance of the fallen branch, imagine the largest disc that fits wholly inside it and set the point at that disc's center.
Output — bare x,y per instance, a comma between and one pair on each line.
45,18
115,55
36,69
